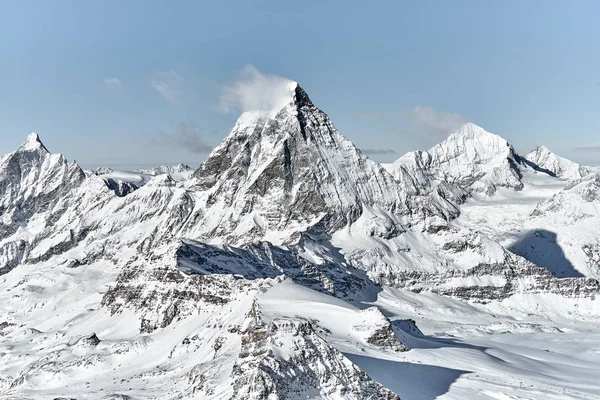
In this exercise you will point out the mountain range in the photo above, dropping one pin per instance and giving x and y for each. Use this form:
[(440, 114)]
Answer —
[(289, 265)]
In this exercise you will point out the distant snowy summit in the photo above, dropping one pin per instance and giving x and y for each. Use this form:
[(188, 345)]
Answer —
[(125, 182), (158, 170), (33, 143), (482, 161), (165, 169), (559, 166)]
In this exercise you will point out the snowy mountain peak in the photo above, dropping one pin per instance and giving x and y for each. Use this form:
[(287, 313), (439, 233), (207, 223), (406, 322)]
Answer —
[(471, 130), (292, 168), (288, 101), (471, 157), (164, 169), (476, 143), (300, 96), (540, 153), (259, 136), (556, 165), (273, 99), (33, 142), (542, 149)]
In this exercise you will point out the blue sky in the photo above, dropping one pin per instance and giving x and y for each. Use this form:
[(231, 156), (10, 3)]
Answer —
[(139, 82)]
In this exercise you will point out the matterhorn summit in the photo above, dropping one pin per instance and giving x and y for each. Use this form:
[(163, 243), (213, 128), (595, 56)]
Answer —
[(291, 169)]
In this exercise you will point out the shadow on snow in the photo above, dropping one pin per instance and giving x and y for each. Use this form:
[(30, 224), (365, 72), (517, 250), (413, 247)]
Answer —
[(408, 380), (541, 248), (328, 274)]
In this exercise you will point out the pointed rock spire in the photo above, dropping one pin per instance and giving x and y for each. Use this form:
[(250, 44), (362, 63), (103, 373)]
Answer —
[(33, 142)]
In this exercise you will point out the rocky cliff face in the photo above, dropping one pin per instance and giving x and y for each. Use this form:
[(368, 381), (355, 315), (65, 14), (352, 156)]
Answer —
[(309, 368), (41, 194)]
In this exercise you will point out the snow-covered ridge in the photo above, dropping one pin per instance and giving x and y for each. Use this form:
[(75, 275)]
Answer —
[(559, 166), (125, 182), (164, 169), (471, 157)]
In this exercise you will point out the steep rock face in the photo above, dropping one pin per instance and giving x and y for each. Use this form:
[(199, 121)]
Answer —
[(471, 158), (559, 166), (32, 178), (287, 359), (262, 260), (291, 170), (37, 190), (490, 282)]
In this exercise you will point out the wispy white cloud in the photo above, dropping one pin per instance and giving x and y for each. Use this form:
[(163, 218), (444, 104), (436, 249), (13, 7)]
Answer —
[(255, 91), (377, 152), (113, 83), (170, 85), (589, 149), (184, 135), (436, 123)]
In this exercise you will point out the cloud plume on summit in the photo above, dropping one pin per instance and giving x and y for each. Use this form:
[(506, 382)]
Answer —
[(436, 123), (256, 91)]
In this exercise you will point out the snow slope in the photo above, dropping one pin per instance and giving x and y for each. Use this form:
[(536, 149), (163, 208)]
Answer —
[(552, 223)]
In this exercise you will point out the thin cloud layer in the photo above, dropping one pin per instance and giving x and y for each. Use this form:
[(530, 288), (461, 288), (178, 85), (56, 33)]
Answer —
[(375, 152), (589, 149), (170, 85), (436, 123), (113, 83), (186, 135), (255, 91)]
